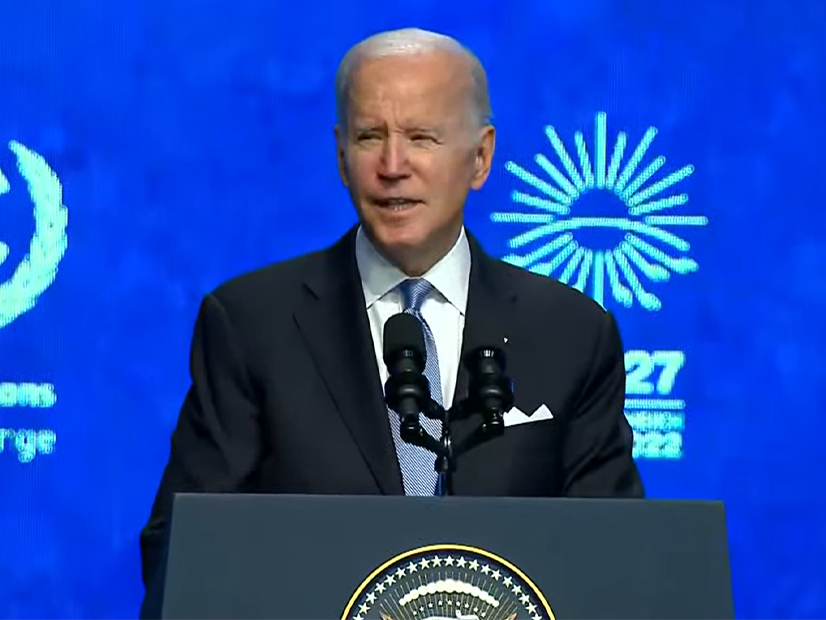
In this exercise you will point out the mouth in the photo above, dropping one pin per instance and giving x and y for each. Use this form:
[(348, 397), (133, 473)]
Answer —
[(396, 203)]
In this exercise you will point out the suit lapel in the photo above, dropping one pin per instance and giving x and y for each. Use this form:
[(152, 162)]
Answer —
[(490, 301), (333, 320), (490, 304)]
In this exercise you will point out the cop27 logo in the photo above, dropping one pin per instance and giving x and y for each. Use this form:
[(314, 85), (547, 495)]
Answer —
[(605, 226), (38, 268)]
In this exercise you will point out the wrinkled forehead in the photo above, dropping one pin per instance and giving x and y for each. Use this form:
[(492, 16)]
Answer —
[(411, 88)]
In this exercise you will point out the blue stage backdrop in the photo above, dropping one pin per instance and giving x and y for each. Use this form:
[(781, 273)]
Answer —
[(665, 158)]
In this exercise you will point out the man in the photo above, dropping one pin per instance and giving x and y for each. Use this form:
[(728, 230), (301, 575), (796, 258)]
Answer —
[(287, 370)]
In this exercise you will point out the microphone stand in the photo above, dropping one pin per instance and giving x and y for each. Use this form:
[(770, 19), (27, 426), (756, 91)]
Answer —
[(490, 394), (413, 433), (446, 451), (445, 459)]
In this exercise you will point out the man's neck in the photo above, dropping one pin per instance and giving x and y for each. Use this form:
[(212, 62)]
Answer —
[(418, 262), (450, 274)]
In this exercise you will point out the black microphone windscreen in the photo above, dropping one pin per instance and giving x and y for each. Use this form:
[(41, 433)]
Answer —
[(484, 337), (402, 332)]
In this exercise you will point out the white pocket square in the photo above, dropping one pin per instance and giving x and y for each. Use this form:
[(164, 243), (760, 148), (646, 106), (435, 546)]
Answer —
[(516, 416)]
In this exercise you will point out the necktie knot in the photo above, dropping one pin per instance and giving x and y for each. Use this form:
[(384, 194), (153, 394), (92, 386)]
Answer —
[(414, 291)]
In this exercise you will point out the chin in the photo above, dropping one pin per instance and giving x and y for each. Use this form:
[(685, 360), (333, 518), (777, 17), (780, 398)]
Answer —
[(406, 237)]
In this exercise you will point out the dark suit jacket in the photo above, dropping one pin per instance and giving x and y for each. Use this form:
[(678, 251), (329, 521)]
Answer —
[(286, 395)]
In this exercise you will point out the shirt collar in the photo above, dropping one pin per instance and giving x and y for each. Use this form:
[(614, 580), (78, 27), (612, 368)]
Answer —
[(449, 276)]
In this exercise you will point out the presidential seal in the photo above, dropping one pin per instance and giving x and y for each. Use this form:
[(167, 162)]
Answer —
[(447, 582)]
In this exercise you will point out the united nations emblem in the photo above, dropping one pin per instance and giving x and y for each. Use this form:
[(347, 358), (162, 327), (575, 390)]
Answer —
[(447, 582)]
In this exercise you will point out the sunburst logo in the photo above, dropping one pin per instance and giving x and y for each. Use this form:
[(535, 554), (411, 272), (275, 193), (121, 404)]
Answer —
[(38, 269), (603, 227)]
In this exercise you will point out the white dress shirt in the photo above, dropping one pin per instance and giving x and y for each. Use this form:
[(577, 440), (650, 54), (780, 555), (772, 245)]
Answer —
[(444, 309)]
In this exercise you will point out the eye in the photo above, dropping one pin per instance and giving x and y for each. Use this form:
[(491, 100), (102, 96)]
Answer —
[(423, 138), (367, 136)]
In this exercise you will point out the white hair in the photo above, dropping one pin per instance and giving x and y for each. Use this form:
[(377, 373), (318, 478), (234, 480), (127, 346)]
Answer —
[(411, 41)]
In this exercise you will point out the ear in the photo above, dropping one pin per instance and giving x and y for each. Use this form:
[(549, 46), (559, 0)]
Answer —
[(342, 166), (483, 157)]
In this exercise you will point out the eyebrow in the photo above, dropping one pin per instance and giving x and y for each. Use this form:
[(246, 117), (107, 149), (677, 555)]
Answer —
[(368, 126), (424, 129)]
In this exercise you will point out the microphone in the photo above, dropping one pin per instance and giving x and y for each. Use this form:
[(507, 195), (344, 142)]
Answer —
[(407, 390), (490, 390)]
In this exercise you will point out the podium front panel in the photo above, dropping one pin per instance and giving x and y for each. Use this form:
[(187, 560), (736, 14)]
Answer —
[(307, 558)]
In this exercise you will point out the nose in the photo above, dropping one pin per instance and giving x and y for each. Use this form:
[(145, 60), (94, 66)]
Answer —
[(394, 158)]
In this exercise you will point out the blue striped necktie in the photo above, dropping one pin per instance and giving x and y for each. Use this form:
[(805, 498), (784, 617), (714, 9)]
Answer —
[(417, 464)]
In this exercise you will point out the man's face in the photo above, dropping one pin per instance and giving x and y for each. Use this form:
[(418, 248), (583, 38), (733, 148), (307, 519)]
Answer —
[(410, 152)]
